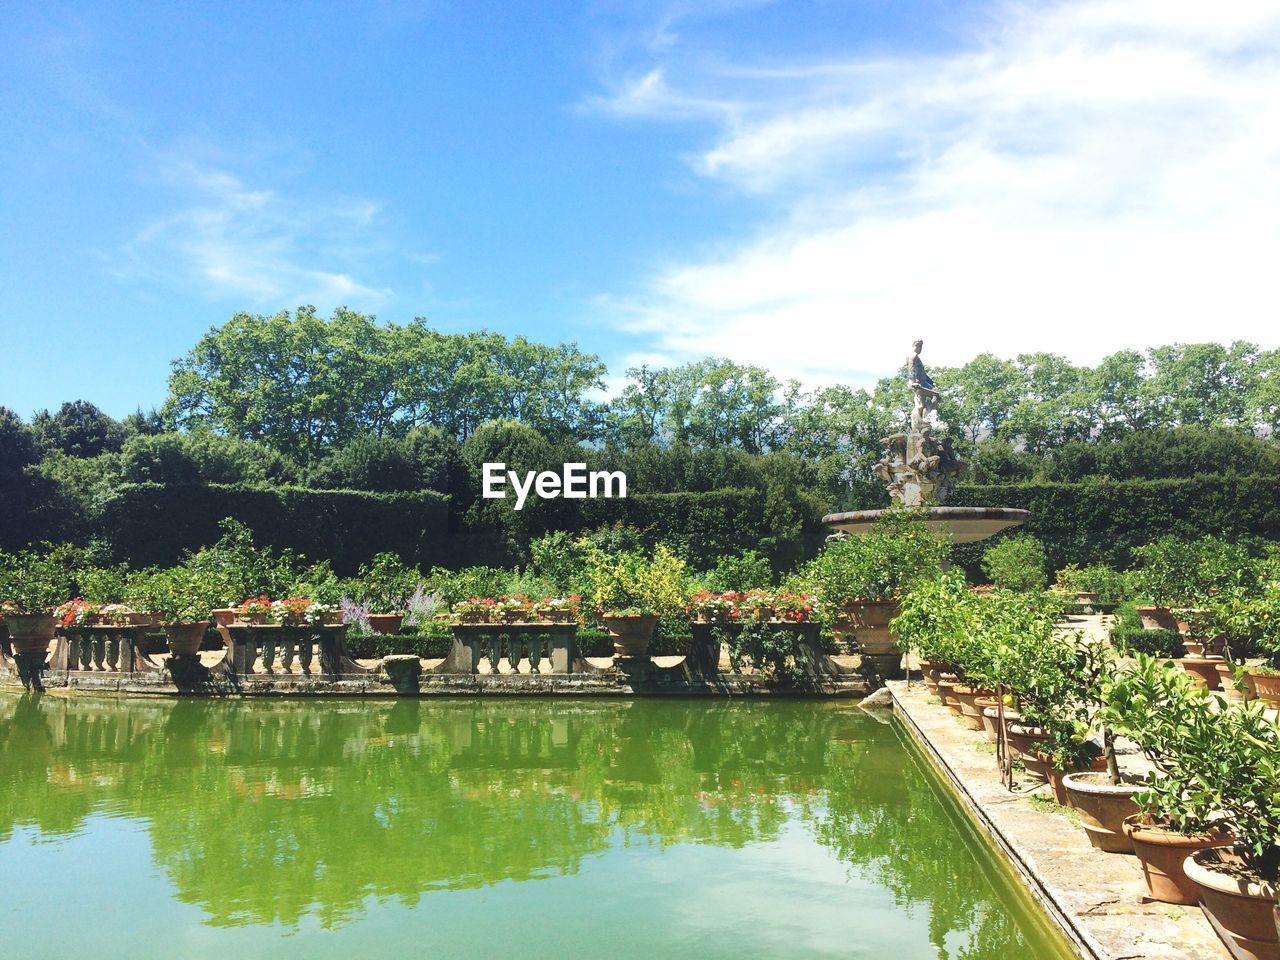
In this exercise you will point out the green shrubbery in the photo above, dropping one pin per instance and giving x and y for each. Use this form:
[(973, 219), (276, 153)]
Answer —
[(1017, 562)]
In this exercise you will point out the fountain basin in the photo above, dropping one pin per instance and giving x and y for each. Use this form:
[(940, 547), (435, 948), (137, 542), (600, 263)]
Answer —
[(964, 524)]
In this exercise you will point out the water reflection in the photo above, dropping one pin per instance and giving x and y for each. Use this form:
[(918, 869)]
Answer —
[(263, 812)]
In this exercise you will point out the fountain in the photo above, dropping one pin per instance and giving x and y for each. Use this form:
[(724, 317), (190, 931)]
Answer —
[(919, 469)]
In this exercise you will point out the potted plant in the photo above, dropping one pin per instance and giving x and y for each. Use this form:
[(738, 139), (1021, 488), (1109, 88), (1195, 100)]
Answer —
[(708, 607), (631, 590), (862, 579), (1167, 713), (303, 612), (386, 584), (181, 599), (474, 610), (32, 586), (255, 611), (1238, 764)]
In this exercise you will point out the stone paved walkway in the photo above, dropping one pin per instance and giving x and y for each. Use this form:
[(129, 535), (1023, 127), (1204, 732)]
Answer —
[(1098, 895)]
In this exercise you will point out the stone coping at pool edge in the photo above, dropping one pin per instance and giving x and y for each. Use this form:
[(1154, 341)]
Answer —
[(1095, 897)]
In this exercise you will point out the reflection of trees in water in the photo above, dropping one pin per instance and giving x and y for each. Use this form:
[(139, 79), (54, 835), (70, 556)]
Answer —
[(883, 816), (266, 812)]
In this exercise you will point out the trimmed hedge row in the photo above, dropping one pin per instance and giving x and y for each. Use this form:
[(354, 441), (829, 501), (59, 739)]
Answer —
[(1099, 520), (147, 523)]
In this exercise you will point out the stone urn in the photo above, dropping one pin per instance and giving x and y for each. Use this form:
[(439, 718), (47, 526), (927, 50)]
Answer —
[(30, 633), (631, 634), (1242, 909), (184, 639), (1103, 808), (386, 622), (869, 622), (1162, 853)]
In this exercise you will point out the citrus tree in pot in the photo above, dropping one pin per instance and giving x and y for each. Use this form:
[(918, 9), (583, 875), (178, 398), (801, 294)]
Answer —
[(1236, 762), (863, 579), (1168, 715), (631, 590), (183, 599), (384, 586), (32, 585), (1104, 798)]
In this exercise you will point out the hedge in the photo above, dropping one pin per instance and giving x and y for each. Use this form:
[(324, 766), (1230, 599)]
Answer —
[(1099, 520), (147, 523)]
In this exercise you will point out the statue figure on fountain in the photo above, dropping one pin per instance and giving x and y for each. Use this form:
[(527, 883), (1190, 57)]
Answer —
[(918, 468)]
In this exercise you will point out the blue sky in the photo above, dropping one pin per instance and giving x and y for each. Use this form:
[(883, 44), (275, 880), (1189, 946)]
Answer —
[(804, 185)]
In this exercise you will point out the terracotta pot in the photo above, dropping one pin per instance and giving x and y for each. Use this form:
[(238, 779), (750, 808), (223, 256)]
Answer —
[(989, 713), (224, 616), (1161, 853), (631, 635), (1192, 648), (1157, 618), (31, 632), (1024, 740), (943, 689), (335, 619), (1059, 789), (1203, 670), (386, 622), (931, 670), (1242, 910), (1103, 807), (1226, 683), (1086, 596), (1266, 686), (970, 712), (184, 638)]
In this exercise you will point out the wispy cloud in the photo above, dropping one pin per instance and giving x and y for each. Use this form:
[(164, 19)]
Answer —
[(1081, 177), (253, 245)]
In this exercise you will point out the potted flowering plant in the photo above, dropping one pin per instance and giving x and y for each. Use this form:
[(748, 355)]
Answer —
[(515, 608), (708, 607), (474, 610), (386, 584), (76, 613), (181, 600), (790, 607), (302, 612), (558, 609), (255, 610), (1220, 770), (631, 590), (758, 604)]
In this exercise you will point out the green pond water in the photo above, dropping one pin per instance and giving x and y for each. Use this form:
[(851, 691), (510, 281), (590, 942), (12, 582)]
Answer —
[(487, 828)]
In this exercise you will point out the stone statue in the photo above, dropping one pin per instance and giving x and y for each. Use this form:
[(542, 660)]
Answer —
[(918, 468)]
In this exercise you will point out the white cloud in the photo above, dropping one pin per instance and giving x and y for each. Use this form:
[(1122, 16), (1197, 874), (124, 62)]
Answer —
[(1086, 177), (254, 246)]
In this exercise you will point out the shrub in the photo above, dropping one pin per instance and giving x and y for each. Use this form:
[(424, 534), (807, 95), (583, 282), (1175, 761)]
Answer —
[(743, 571), (634, 583), (884, 563), (1017, 563), (35, 581)]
